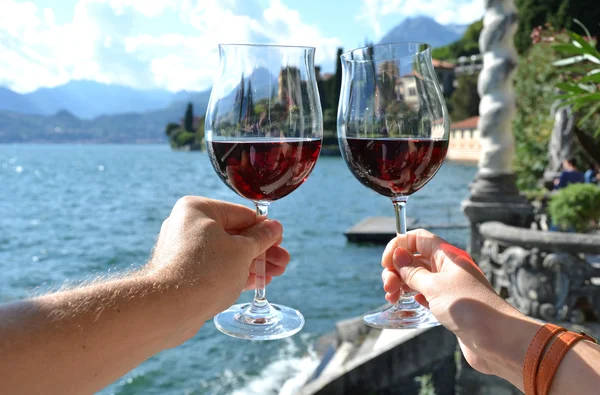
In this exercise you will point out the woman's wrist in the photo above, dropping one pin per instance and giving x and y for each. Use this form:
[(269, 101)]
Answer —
[(505, 346)]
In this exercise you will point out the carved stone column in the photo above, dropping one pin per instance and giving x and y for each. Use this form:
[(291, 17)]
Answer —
[(494, 195)]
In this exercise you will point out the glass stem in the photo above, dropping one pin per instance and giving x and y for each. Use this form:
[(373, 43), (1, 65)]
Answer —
[(406, 298), (260, 305)]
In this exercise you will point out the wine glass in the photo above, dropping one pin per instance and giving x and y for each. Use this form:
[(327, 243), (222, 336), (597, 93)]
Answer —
[(264, 129), (393, 130)]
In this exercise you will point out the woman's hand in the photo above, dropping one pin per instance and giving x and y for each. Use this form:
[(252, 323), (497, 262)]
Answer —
[(453, 287)]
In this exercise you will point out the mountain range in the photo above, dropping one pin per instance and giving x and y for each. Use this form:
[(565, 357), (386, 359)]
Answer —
[(93, 112), (424, 29)]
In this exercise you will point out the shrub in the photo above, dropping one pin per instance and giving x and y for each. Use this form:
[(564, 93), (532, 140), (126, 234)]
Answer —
[(576, 206), (185, 138)]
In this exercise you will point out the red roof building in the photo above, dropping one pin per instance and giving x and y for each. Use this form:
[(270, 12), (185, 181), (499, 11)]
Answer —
[(464, 140)]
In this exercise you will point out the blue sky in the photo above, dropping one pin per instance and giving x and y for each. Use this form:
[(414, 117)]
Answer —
[(171, 44)]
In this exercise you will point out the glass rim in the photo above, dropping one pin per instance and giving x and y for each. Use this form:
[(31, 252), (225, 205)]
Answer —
[(265, 46), (426, 47)]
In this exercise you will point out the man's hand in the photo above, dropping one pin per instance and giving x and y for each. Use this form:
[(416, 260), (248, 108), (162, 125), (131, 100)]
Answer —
[(209, 245)]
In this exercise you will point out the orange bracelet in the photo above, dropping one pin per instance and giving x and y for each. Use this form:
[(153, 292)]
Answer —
[(553, 358), (534, 355), (540, 366)]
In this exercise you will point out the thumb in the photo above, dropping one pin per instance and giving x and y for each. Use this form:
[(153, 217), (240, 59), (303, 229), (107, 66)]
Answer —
[(262, 236), (412, 271)]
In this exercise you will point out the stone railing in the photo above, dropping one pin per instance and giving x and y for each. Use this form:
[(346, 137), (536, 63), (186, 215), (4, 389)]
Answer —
[(553, 276), (469, 65)]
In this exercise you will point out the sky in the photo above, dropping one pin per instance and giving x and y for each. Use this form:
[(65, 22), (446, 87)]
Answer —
[(172, 44)]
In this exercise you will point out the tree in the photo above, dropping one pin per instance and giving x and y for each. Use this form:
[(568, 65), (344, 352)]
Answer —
[(532, 125), (468, 44), (558, 13), (465, 99), (188, 121), (535, 90), (171, 128), (335, 83), (581, 89), (249, 100), (200, 133)]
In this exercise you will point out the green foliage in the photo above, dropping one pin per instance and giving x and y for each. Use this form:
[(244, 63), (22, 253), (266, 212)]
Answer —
[(171, 128), (558, 13), (426, 384), (184, 135), (468, 45), (442, 53), (538, 194), (465, 99), (334, 85), (533, 122), (576, 207), (330, 119), (582, 87), (188, 121), (199, 141), (184, 138)]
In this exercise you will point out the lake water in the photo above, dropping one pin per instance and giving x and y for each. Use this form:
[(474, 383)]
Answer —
[(75, 211)]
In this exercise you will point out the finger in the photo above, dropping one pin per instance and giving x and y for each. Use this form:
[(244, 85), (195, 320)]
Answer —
[(386, 259), (392, 297), (412, 271), (260, 237), (251, 281), (420, 298), (277, 255), (229, 215), (391, 281), (274, 271), (423, 241), (406, 289), (270, 269)]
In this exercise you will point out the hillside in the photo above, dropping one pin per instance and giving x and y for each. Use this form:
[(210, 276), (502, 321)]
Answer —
[(88, 99), (424, 29), (64, 127)]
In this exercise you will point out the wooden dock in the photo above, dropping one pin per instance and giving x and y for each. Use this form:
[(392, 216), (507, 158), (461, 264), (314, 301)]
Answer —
[(380, 230)]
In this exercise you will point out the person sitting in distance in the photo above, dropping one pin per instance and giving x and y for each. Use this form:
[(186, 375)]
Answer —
[(569, 175)]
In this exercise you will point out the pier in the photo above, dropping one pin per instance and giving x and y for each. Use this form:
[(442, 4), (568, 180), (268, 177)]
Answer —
[(380, 230)]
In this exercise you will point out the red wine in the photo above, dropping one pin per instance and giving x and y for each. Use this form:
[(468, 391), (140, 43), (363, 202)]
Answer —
[(264, 170), (394, 167)]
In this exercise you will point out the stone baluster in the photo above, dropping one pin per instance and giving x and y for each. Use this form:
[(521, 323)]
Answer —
[(494, 195)]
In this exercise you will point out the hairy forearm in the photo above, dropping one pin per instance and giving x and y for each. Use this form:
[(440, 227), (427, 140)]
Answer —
[(82, 340), (579, 369)]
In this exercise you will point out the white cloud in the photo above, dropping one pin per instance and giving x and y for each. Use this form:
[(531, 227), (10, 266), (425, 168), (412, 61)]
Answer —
[(443, 11), (101, 42)]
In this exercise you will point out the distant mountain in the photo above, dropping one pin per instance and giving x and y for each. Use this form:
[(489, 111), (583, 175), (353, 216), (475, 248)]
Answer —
[(457, 28), (424, 29), (88, 99), (65, 127), (13, 101)]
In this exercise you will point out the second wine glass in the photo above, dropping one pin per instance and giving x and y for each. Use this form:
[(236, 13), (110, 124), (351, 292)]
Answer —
[(263, 132), (393, 133)]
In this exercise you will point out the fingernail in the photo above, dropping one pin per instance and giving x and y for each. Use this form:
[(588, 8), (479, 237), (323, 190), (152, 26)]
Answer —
[(401, 257)]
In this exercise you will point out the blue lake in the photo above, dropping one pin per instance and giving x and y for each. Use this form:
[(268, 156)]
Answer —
[(73, 212)]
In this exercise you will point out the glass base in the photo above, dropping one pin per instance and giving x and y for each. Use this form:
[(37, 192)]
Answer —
[(277, 322), (407, 316)]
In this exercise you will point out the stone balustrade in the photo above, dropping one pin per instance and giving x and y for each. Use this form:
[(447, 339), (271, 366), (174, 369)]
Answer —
[(553, 276)]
